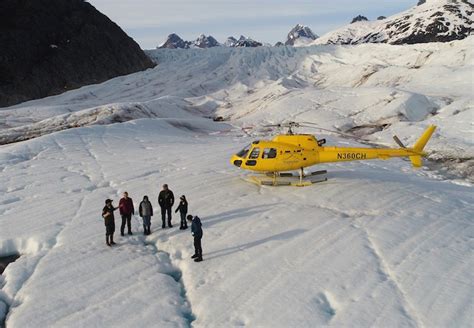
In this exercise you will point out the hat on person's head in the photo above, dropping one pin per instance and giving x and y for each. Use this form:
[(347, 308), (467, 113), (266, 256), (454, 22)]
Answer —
[(189, 217), (182, 197), (107, 201)]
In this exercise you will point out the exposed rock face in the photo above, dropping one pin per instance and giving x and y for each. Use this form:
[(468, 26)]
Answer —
[(173, 41), (300, 32), (51, 46), (359, 18), (279, 44), (381, 17), (431, 21)]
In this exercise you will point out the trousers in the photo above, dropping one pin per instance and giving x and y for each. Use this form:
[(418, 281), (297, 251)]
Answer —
[(197, 246), (126, 218), (164, 211)]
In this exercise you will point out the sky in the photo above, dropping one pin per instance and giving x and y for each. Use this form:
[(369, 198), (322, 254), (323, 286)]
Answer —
[(149, 22)]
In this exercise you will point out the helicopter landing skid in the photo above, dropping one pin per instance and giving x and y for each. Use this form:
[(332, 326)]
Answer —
[(289, 179)]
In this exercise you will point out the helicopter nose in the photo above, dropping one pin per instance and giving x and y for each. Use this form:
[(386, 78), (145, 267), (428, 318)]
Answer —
[(236, 160)]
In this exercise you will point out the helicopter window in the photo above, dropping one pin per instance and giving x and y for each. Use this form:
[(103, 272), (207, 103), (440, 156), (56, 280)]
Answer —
[(269, 153), (251, 162), (243, 153), (255, 152)]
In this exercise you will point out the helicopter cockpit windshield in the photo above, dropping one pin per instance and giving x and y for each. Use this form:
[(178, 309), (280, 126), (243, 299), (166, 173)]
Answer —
[(243, 153)]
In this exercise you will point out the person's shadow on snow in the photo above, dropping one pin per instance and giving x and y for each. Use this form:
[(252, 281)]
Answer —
[(210, 220), (240, 213), (234, 249)]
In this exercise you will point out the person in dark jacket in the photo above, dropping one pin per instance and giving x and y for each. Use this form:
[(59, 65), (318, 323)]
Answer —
[(146, 212), (183, 210), (196, 230), (126, 211), (166, 201), (109, 220)]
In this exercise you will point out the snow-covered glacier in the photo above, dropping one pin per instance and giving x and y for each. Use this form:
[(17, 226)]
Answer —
[(378, 244)]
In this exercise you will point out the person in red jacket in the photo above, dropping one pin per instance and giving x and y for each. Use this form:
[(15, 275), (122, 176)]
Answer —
[(126, 211)]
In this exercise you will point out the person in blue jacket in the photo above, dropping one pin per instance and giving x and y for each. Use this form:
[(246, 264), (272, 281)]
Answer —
[(196, 230)]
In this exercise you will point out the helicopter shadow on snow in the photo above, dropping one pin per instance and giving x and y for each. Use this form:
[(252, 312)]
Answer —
[(242, 247), (367, 176), (388, 176)]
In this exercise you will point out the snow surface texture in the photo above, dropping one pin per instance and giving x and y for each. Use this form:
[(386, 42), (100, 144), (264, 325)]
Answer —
[(371, 90), (433, 20), (379, 244)]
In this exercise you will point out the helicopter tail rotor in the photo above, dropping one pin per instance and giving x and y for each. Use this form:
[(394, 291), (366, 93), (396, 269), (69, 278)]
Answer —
[(399, 142)]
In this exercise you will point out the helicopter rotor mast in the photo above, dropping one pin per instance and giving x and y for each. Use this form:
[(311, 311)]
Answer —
[(289, 125)]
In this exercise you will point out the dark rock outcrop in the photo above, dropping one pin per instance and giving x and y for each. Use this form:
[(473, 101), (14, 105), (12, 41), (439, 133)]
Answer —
[(359, 18), (381, 17), (51, 46)]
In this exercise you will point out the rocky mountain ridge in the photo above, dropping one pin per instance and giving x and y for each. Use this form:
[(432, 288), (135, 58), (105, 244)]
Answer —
[(173, 41)]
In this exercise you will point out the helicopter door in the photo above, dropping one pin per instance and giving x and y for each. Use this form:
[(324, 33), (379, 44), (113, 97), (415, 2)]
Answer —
[(252, 161)]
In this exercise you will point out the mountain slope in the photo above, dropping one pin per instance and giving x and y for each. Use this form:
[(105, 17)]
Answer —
[(432, 21), (51, 46)]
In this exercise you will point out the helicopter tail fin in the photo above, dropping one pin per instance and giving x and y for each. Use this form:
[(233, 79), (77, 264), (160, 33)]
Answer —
[(420, 143)]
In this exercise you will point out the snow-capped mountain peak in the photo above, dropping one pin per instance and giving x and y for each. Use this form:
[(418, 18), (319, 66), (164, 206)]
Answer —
[(174, 41), (242, 42), (301, 33), (230, 42), (204, 41)]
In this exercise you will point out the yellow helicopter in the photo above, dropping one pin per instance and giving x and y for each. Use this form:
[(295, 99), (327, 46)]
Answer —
[(289, 152)]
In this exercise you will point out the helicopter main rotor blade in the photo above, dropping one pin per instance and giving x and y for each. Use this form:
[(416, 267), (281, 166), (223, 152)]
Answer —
[(328, 130)]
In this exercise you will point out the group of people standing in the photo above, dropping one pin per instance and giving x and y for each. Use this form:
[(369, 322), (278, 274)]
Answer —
[(145, 210)]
